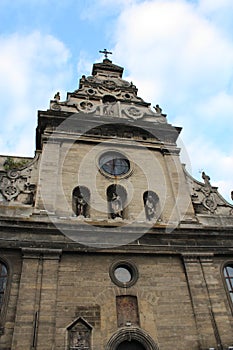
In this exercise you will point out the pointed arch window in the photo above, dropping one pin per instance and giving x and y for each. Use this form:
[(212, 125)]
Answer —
[(3, 284), (228, 275), (116, 197), (81, 201), (151, 205)]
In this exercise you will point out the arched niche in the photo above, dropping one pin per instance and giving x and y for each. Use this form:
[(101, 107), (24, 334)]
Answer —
[(151, 205), (109, 102), (81, 201), (116, 198), (131, 336)]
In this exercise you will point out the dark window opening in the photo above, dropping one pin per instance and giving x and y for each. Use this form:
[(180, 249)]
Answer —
[(228, 274), (3, 283), (130, 345)]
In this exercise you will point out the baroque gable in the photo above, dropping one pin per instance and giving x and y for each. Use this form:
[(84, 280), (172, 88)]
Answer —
[(206, 199), (106, 94)]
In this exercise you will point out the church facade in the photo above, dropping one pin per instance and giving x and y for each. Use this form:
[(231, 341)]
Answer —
[(106, 241)]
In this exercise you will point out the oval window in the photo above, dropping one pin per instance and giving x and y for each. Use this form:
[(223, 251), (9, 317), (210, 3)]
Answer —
[(114, 163), (124, 273)]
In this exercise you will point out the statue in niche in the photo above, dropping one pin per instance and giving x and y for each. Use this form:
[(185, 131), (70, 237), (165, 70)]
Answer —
[(81, 206), (150, 207), (30, 190), (116, 208), (108, 108)]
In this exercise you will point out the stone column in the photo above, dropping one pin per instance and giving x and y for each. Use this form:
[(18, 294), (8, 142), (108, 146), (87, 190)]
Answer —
[(48, 300), (182, 209), (221, 316), (48, 177), (28, 298), (204, 318), (36, 307)]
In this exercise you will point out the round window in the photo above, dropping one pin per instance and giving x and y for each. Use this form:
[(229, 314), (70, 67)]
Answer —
[(114, 163), (123, 273)]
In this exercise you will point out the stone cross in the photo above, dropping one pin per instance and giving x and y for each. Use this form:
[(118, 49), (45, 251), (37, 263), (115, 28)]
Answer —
[(106, 53)]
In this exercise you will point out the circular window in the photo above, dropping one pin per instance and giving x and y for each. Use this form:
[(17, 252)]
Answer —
[(114, 163), (124, 273)]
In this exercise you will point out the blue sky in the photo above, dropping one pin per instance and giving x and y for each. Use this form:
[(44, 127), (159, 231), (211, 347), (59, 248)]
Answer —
[(178, 53)]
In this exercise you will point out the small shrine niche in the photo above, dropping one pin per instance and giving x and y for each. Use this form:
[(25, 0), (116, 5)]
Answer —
[(79, 335)]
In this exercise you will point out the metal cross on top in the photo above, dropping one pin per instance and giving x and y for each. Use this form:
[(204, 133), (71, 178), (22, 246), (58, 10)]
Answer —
[(106, 53)]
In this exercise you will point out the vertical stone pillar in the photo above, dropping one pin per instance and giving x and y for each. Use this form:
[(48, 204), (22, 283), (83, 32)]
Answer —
[(182, 207), (202, 311), (48, 177), (36, 307), (28, 298), (221, 316), (48, 300)]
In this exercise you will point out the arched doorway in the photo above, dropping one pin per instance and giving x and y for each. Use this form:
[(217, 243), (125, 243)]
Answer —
[(131, 338), (130, 345)]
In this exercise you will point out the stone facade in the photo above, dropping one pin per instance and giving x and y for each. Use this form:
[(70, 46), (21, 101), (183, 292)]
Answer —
[(106, 241)]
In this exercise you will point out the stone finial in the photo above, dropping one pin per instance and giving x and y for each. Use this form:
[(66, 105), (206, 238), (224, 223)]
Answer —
[(57, 96), (106, 53), (206, 179), (158, 109)]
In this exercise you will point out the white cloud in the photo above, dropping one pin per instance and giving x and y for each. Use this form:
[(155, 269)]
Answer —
[(205, 156), (181, 57), (32, 68)]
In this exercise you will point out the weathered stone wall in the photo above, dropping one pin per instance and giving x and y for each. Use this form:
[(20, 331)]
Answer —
[(65, 166), (179, 302)]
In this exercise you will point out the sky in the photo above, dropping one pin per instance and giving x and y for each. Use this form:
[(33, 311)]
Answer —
[(179, 54)]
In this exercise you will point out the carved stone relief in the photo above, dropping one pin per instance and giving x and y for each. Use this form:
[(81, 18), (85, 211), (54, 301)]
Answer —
[(206, 199), (79, 335), (133, 112), (86, 106), (15, 185)]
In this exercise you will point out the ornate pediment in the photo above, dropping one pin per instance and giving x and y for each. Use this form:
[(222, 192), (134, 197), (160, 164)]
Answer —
[(17, 185), (206, 198), (105, 93)]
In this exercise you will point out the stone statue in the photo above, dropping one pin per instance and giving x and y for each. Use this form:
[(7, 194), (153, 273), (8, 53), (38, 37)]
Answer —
[(108, 108), (116, 206), (150, 207), (57, 96), (81, 206), (158, 110), (207, 188)]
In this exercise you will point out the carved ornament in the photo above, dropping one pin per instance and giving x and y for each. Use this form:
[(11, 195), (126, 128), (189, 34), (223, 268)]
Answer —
[(15, 183), (133, 112), (86, 106)]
